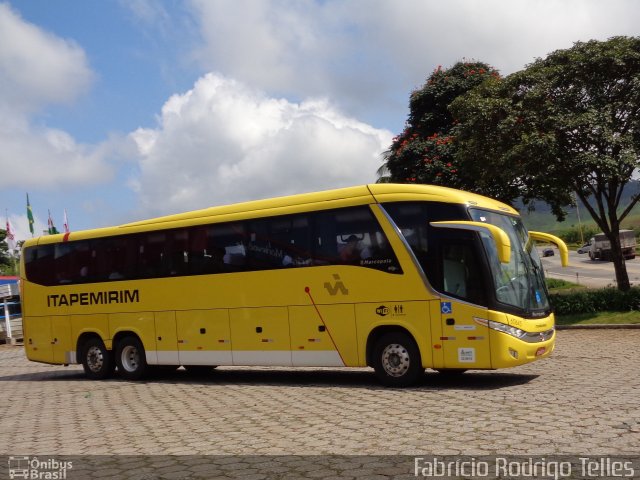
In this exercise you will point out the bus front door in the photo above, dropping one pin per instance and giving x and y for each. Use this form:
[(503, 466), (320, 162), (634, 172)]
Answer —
[(465, 342)]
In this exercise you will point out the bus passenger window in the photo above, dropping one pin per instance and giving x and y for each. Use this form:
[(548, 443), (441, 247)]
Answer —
[(352, 236), (197, 251), (291, 234), (225, 244), (113, 258), (39, 264), (154, 261), (178, 252)]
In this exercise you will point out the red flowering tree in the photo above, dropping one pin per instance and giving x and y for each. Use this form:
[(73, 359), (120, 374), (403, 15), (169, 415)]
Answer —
[(424, 152)]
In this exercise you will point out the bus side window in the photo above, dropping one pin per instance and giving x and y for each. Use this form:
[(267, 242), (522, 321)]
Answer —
[(154, 261), (113, 258), (63, 259), (177, 250), (225, 244), (261, 254), (352, 236), (290, 235), (199, 261), (325, 247), (39, 264), (77, 262)]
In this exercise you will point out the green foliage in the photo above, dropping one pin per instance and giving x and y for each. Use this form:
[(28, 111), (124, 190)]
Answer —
[(558, 284), (591, 301), (572, 235), (600, 318), (568, 123), (6, 263), (425, 151)]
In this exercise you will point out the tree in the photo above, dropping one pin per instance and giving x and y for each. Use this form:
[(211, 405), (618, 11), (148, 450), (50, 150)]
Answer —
[(424, 151), (6, 263), (567, 123)]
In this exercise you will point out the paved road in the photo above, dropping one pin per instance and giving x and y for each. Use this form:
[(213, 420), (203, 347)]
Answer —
[(582, 401), (590, 273)]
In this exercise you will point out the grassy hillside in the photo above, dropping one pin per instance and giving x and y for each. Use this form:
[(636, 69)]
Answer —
[(543, 220)]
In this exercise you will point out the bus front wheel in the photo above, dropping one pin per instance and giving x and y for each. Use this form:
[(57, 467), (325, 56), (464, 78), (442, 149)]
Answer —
[(130, 358), (396, 360), (97, 361)]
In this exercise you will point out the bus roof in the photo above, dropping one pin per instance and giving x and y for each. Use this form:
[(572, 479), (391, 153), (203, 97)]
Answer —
[(343, 197)]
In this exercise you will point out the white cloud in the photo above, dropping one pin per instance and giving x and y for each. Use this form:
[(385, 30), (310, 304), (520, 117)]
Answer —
[(369, 54), (38, 69), (222, 142), (506, 33), (47, 157)]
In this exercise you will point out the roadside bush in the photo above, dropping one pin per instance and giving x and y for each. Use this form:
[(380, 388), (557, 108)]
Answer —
[(573, 235), (556, 283), (591, 301)]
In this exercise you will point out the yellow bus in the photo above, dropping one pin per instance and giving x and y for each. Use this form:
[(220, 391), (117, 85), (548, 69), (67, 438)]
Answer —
[(400, 278)]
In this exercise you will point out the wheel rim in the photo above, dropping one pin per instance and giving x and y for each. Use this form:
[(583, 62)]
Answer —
[(395, 360), (130, 358), (95, 359)]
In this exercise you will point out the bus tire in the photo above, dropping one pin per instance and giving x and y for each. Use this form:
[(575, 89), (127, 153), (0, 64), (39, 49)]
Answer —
[(396, 360), (131, 358), (96, 360)]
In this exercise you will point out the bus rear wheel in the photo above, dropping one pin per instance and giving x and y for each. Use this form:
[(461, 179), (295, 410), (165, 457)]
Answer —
[(396, 360), (97, 361), (130, 358)]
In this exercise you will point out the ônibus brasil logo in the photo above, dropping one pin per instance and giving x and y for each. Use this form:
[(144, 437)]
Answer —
[(36, 468)]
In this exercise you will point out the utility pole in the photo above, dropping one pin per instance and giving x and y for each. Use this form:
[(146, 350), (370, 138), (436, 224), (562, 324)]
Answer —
[(579, 222)]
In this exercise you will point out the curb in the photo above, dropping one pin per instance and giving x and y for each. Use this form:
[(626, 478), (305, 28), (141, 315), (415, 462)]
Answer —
[(595, 326)]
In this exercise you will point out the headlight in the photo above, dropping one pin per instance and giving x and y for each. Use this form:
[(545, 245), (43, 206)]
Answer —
[(501, 327)]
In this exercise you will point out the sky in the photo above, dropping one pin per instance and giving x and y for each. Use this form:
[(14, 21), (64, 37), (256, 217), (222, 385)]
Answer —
[(122, 110)]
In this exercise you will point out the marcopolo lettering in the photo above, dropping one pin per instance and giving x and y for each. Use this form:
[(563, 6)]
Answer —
[(93, 298)]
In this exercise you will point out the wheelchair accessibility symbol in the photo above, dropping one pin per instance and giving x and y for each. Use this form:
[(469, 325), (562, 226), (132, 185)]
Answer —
[(445, 307)]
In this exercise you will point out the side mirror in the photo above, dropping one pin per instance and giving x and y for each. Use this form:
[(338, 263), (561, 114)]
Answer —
[(562, 247), (500, 238)]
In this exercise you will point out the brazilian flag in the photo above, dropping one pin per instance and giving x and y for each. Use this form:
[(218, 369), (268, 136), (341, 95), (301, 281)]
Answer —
[(29, 215)]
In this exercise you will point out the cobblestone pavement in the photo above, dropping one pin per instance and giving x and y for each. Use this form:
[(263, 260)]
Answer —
[(583, 400)]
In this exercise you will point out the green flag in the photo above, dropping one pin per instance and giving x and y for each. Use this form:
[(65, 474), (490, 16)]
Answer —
[(29, 215)]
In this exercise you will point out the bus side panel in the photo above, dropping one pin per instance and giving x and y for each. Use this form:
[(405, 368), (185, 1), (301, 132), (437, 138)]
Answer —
[(260, 336), (465, 343), (63, 349), (38, 339), (340, 322), (311, 344), (95, 323), (412, 316), (166, 339), (204, 337), (140, 323)]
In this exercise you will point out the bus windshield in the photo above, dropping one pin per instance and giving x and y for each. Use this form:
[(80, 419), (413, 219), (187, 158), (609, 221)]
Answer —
[(519, 283)]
